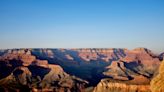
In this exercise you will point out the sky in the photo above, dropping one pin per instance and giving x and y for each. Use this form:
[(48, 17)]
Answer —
[(82, 24)]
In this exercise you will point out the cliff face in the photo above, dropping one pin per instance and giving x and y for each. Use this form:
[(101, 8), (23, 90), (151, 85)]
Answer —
[(84, 55), (114, 86), (157, 84), (136, 63)]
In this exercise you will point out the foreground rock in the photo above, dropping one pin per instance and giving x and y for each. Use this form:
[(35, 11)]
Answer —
[(108, 85), (157, 84)]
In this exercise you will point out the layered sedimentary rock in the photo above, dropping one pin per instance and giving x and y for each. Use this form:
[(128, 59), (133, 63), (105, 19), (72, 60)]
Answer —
[(120, 86), (136, 62), (23, 57), (157, 84), (25, 72), (101, 54)]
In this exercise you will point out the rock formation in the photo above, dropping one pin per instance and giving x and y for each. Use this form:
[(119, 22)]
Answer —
[(107, 85), (28, 73), (157, 84), (136, 62), (74, 70)]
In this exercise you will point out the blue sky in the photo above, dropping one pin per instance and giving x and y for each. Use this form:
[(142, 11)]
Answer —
[(82, 24)]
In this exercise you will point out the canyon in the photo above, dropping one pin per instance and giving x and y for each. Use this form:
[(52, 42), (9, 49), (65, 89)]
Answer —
[(78, 70)]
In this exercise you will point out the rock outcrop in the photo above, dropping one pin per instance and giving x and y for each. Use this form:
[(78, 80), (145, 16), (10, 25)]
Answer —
[(157, 84), (107, 85)]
